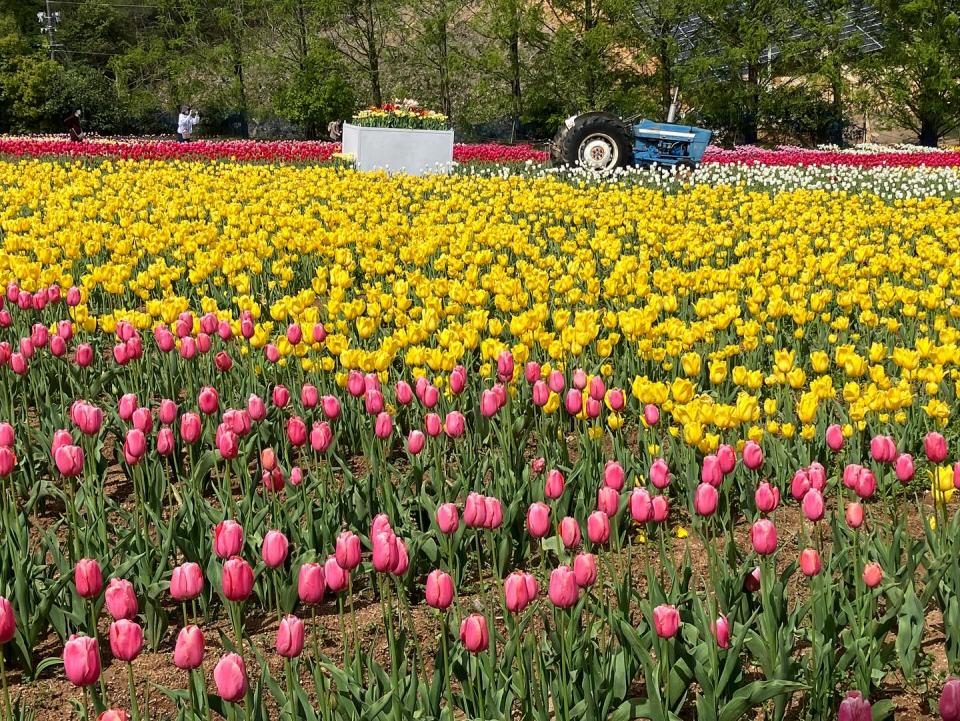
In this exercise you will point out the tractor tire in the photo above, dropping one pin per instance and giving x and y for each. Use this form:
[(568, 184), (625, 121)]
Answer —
[(600, 142)]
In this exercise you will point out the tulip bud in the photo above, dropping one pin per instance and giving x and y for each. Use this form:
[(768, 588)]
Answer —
[(727, 458), (613, 475), (767, 498), (705, 499), (813, 505), (666, 620), (311, 583), (348, 550), (230, 677), (290, 637), (810, 562), (237, 582), (439, 591), (904, 468), (563, 589), (274, 549), (186, 583), (640, 505), (515, 592), (854, 515), (752, 455), (598, 527), (585, 569), (121, 599), (81, 660), (336, 578), (721, 631), (88, 578), (651, 414), (538, 520), (474, 634), (8, 621), (608, 501), (935, 446), (126, 640), (554, 484), (659, 474), (569, 532), (763, 535)]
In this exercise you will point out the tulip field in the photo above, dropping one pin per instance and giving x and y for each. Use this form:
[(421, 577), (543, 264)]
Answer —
[(284, 441)]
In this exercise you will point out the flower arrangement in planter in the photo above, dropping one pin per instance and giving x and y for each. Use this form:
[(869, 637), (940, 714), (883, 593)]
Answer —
[(405, 114), (399, 137)]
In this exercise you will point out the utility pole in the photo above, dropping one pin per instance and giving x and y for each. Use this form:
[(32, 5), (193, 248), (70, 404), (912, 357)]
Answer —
[(48, 26)]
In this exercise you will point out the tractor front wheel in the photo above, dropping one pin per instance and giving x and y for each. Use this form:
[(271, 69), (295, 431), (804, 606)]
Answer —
[(599, 142)]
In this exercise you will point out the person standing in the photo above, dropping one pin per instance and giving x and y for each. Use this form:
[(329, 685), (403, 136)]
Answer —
[(184, 125), (72, 121)]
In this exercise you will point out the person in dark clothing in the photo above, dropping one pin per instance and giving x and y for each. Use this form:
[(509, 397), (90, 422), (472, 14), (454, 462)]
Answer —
[(72, 121)]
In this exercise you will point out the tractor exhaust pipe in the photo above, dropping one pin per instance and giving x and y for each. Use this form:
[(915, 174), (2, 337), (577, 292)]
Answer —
[(672, 113)]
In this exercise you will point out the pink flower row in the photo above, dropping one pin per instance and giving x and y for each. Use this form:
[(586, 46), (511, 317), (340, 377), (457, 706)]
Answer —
[(801, 156)]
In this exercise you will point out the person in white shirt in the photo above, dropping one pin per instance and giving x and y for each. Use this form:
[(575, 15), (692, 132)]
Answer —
[(187, 119)]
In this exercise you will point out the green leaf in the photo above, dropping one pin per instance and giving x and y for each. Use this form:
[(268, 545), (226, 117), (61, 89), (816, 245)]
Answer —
[(754, 694)]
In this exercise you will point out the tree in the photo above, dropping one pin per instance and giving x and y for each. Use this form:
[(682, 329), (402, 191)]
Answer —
[(318, 93), (360, 28), (917, 76)]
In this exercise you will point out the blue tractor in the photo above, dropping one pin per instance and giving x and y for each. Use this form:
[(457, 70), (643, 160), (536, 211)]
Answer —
[(602, 142)]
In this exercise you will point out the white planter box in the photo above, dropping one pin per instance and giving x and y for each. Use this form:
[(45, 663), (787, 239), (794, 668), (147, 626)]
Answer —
[(396, 150)]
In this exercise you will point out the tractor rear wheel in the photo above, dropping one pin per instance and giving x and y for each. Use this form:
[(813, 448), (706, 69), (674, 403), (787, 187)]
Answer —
[(600, 142)]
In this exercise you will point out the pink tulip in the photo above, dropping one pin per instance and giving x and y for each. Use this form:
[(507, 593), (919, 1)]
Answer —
[(585, 569), (294, 334), (752, 455), (383, 426), (186, 583), (296, 431), (8, 461), (660, 506), (854, 515), (69, 460), (237, 582), (800, 484), (489, 404), (386, 555), (88, 578), (321, 436), (904, 468), (617, 400), (608, 501), (767, 497), (554, 484), (855, 708), (256, 408), (474, 634), (280, 396), (810, 562), (613, 475), (598, 527), (190, 427), (835, 439), (348, 550), (311, 583), (188, 652), (516, 592), (166, 341), (556, 381), (563, 589), (711, 472), (81, 660), (569, 531), (640, 505), (454, 424), (319, 333), (935, 446), (540, 393), (432, 425), (403, 560), (817, 475), (274, 549), (458, 380), (373, 401), (228, 444), (188, 348), (705, 499), (121, 599), (660, 474), (763, 535), (227, 538), (404, 393), (813, 505), (727, 458), (666, 620), (135, 443), (167, 412), (18, 364), (531, 371), (87, 417), (337, 579), (651, 414), (866, 484), (7, 435), (126, 640), (230, 677), (355, 384), (573, 402), (474, 511), (538, 520), (493, 517), (58, 347), (73, 296), (290, 637), (721, 631), (505, 367), (596, 388), (872, 574), (950, 700), (431, 395), (439, 591), (208, 400), (8, 622), (415, 442)]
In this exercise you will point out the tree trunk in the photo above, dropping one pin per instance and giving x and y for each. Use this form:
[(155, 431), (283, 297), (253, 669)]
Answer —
[(929, 135), (666, 78), (373, 55), (303, 48), (516, 96), (590, 64), (749, 113), (443, 27), (836, 104)]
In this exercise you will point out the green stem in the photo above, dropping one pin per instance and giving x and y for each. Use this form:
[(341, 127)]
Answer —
[(134, 707), (7, 707)]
